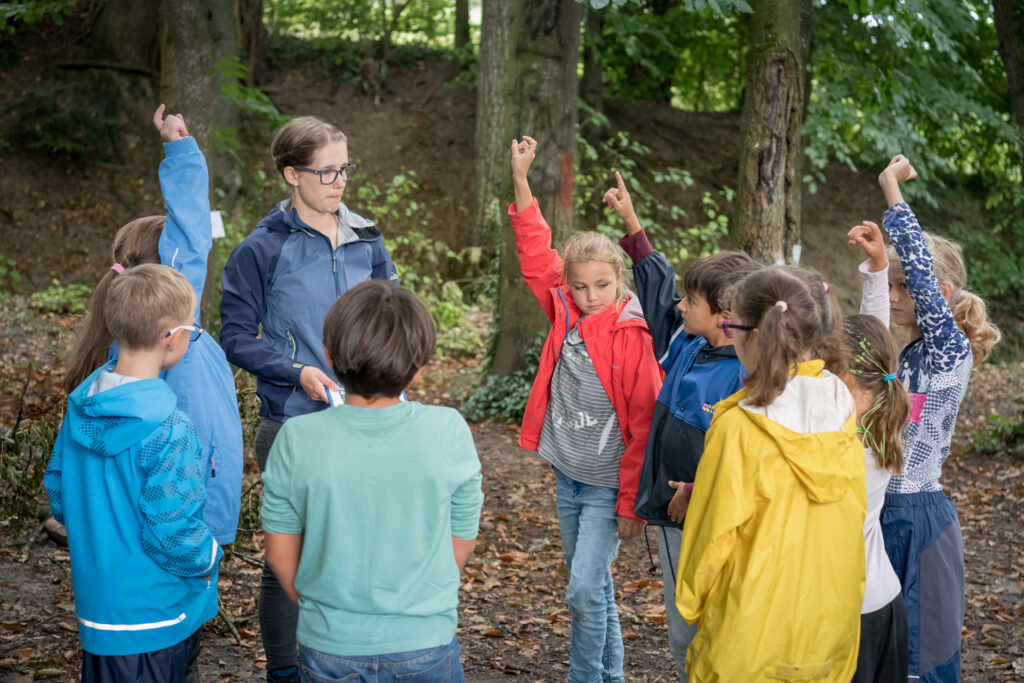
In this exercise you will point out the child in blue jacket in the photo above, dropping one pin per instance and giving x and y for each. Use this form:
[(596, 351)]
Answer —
[(694, 347), (202, 382), (126, 478)]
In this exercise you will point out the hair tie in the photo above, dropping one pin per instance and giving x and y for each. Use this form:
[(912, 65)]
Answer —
[(825, 285), (783, 305), (960, 291), (117, 268), (890, 377)]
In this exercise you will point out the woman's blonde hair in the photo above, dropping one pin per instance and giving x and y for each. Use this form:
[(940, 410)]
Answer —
[(136, 243), (969, 310), (593, 246)]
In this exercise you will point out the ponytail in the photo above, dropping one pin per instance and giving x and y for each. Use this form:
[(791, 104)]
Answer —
[(873, 355), (971, 315), (136, 243)]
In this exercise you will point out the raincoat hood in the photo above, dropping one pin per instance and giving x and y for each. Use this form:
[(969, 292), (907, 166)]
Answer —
[(110, 422)]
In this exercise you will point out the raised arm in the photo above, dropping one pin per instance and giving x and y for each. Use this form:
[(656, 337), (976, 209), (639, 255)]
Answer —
[(540, 263), (187, 235), (874, 299), (654, 276), (945, 342)]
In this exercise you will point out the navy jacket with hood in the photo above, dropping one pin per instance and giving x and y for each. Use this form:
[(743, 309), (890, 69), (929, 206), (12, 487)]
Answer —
[(126, 478), (697, 376), (279, 284)]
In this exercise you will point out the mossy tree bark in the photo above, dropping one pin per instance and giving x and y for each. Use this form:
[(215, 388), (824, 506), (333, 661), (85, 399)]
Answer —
[(767, 217), (541, 92)]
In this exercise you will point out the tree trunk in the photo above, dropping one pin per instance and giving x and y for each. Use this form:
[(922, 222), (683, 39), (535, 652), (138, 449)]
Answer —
[(194, 35), (590, 88), (541, 95), (252, 38), (1009, 16), (489, 162), (767, 219), (461, 23)]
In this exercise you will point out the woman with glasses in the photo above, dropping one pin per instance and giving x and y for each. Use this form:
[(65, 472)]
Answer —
[(279, 284), (202, 380)]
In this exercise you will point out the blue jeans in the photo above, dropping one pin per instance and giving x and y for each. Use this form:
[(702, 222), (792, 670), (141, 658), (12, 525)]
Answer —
[(435, 664), (590, 539)]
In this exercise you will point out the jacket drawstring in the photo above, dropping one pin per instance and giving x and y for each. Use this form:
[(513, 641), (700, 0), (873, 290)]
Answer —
[(653, 569)]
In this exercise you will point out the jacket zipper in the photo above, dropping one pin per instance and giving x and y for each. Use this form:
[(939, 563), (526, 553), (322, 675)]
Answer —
[(291, 340)]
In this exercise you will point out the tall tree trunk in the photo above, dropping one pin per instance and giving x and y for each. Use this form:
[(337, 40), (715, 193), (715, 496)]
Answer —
[(252, 38), (541, 96), (1009, 15), (489, 162), (768, 199), (194, 35), (590, 88), (461, 23)]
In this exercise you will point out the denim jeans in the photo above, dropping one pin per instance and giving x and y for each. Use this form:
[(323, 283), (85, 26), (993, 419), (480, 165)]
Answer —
[(279, 617), (590, 540), (680, 633), (436, 664)]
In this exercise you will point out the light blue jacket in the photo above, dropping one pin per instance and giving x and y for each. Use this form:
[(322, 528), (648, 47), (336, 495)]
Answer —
[(202, 380), (126, 479)]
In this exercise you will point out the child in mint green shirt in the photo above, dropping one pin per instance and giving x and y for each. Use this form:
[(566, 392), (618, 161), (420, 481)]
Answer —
[(371, 508)]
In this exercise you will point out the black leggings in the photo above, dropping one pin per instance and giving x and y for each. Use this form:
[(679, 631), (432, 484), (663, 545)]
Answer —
[(279, 617), (883, 654)]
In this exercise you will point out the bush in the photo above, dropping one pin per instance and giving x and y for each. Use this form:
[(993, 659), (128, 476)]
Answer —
[(1005, 434), (24, 454), (58, 298), (504, 398)]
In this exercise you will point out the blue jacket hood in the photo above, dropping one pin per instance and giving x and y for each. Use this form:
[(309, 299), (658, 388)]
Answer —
[(110, 422), (284, 218)]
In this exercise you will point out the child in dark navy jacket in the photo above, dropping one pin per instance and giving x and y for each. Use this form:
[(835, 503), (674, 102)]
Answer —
[(694, 347)]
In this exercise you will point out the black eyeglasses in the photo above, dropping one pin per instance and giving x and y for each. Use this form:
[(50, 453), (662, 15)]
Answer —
[(329, 175), (194, 332), (727, 328)]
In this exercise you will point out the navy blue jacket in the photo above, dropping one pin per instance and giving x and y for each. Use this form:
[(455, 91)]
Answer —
[(279, 284), (697, 376)]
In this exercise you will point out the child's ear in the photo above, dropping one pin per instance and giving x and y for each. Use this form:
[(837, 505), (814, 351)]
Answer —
[(724, 315), (946, 288)]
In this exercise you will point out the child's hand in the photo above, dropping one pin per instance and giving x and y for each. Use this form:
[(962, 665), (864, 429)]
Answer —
[(313, 381), (629, 528), (899, 170), (680, 501), (172, 128), (617, 199), (869, 237), (522, 156)]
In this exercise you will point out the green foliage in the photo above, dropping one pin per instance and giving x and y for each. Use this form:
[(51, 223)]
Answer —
[(332, 22), (665, 224), (29, 12), (247, 99), (1005, 434), (58, 298), (64, 118), (504, 398), (9, 277), (24, 454)]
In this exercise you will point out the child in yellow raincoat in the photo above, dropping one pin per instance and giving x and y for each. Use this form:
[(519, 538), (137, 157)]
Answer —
[(773, 553)]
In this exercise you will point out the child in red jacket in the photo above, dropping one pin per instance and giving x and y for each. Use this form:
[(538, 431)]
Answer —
[(588, 413)]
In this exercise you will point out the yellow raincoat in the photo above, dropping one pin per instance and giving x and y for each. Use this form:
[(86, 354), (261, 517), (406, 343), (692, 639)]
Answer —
[(773, 549)]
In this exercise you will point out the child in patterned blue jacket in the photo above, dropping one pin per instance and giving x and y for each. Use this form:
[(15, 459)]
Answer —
[(126, 477), (950, 334)]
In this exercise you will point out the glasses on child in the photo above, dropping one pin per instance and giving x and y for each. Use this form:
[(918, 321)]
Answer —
[(195, 332), (728, 327), (329, 175)]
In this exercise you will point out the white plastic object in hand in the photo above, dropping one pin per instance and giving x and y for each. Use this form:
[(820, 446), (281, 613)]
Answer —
[(335, 397)]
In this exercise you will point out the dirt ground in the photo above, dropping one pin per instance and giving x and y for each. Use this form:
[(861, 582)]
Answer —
[(513, 621)]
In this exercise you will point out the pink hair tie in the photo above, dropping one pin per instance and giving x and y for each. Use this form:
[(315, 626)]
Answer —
[(825, 285), (117, 268)]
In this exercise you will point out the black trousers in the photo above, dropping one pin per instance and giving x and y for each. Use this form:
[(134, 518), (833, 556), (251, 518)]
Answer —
[(883, 653), (175, 664)]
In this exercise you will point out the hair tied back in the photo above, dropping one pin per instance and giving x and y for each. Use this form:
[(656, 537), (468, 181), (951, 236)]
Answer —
[(783, 305), (890, 377), (117, 268)]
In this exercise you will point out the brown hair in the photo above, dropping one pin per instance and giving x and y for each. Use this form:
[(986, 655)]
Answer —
[(794, 317), (134, 244), (146, 301), (873, 354), (299, 139), (969, 310), (377, 337), (712, 277), (593, 246)]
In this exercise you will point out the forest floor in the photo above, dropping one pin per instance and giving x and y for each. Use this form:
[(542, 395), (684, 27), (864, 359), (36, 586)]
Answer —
[(513, 621)]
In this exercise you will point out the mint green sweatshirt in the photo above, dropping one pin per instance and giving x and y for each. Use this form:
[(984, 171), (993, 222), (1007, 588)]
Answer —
[(377, 495)]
